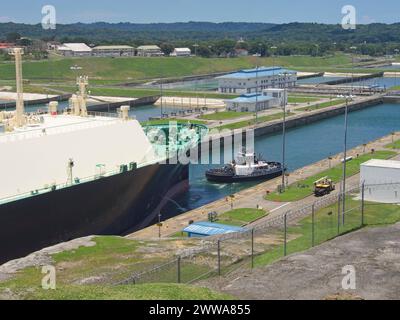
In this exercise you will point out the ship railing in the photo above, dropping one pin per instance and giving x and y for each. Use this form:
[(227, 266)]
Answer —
[(77, 181)]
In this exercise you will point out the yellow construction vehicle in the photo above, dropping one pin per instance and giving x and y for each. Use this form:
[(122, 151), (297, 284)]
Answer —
[(323, 187)]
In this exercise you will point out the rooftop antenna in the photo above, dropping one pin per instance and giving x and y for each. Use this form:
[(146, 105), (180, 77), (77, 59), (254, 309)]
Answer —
[(19, 112)]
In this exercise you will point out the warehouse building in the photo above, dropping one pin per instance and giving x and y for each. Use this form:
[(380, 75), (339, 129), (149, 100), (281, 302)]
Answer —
[(250, 102), (113, 51), (382, 180), (181, 52), (252, 80), (149, 51), (74, 50)]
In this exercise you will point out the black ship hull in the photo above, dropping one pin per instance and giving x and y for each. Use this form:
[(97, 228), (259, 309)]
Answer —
[(114, 205)]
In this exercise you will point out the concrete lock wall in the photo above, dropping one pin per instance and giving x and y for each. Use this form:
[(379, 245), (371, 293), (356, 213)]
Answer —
[(382, 184)]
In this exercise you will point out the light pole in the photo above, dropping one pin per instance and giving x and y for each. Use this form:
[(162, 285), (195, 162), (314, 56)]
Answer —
[(256, 109), (395, 70), (343, 191), (352, 67), (284, 143), (195, 49), (273, 48)]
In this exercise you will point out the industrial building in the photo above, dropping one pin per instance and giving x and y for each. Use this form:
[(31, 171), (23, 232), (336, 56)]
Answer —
[(382, 180), (251, 80), (74, 50), (149, 51), (113, 51), (250, 102), (181, 52)]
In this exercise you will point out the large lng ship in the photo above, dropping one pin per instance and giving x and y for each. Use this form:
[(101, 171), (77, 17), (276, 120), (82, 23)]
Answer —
[(70, 174)]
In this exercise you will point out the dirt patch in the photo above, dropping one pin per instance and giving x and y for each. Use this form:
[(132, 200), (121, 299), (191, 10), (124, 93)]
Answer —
[(318, 273)]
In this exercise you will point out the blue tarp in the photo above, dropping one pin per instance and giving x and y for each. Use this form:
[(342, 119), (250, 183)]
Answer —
[(204, 229)]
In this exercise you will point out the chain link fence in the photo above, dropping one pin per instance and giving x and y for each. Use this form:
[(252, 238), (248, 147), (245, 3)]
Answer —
[(276, 237)]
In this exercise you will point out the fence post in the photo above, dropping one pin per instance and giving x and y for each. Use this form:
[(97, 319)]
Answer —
[(362, 203), (252, 248), (313, 225), (179, 269), (338, 215), (285, 235), (219, 257)]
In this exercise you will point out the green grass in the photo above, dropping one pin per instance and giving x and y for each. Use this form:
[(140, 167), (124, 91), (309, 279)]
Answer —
[(326, 227), (111, 259), (322, 105), (299, 99), (394, 145), (167, 121), (304, 188), (108, 70), (241, 217), (224, 115), (152, 291), (245, 123)]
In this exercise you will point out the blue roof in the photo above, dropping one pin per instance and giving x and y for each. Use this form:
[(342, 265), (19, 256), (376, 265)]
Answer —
[(251, 97), (260, 72), (210, 228)]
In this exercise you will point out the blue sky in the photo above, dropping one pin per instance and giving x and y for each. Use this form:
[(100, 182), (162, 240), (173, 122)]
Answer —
[(145, 11)]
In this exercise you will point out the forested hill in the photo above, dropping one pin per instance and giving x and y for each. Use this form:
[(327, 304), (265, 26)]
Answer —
[(206, 31)]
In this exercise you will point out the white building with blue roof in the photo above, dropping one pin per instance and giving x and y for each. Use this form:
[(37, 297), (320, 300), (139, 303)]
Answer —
[(255, 80), (250, 102)]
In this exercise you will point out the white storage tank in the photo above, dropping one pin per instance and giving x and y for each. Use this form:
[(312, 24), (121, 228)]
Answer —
[(382, 180)]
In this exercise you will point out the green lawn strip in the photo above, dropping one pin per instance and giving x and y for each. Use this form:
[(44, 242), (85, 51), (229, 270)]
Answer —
[(322, 105), (167, 121), (299, 99), (304, 188), (241, 217), (326, 227), (245, 123), (224, 115), (139, 93), (394, 145), (140, 68)]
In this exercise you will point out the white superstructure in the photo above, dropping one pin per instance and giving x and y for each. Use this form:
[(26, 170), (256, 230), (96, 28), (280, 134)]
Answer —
[(36, 156)]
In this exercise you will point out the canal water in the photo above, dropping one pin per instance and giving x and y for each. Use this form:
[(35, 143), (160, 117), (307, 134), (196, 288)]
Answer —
[(305, 145)]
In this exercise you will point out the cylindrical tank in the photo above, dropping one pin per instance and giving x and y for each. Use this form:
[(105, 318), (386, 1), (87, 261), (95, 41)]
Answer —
[(125, 112), (53, 108)]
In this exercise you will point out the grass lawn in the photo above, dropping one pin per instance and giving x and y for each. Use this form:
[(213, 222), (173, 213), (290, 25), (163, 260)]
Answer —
[(245, 123), (110, 260), (323, 105), (109, 70), (394, 145), (326, 227), (224, 115), (241, 217), (300, 99), (304, 188)]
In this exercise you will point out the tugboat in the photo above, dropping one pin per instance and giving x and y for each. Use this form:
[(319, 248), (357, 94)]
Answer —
[(247, 168)]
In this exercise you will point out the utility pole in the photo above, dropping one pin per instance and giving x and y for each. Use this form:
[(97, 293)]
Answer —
[(19, 111)]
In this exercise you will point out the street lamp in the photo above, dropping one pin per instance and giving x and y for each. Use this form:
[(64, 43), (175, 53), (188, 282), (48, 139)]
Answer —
[(343, 191), (284, 142), (273, 48), (352, 67)]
